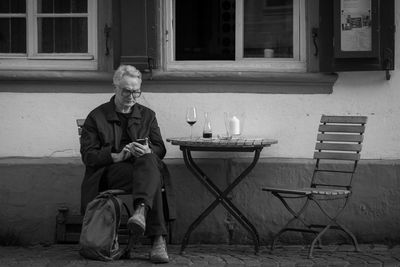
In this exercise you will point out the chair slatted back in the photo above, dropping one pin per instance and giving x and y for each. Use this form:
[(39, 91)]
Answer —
[(339, 139)]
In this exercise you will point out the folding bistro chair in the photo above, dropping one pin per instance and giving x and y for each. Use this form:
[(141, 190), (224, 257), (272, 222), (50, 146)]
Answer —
[(339, 139)]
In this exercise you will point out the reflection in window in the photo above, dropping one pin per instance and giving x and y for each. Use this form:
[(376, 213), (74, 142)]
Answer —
[(205, 29), (268, 28), (12, 6), (12, 35), (12, 26), (64, 6), (62, 35), (61, 26), (66, 34), (234, 29)]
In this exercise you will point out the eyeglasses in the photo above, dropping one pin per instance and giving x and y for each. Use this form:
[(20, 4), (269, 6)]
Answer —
[(126, 92)]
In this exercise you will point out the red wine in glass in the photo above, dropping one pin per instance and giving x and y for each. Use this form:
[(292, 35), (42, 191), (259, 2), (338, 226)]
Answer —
[(191, 118), (191, 122)]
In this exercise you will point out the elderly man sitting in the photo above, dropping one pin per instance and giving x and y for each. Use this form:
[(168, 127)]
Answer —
[(116, 158)]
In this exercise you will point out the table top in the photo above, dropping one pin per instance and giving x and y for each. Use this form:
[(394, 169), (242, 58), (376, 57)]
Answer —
[(221, 143)]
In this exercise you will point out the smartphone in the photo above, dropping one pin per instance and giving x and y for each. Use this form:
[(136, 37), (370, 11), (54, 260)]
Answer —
[(142, 141)]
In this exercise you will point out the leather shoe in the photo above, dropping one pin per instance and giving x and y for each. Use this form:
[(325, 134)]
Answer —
[(158, 253), (137, 223)]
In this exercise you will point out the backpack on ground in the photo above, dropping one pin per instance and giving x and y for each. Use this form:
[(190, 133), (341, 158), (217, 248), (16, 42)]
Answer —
[(99, 235)]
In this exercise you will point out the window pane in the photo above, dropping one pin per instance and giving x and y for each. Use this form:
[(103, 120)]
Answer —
[(205, 30), (18, 35), (18, 6), (79, 34), (268, 28), (45, 6), (62, 6), (5, 6), (45, 35), (12, 6), (63, 35), (79, 6), (12, 35)]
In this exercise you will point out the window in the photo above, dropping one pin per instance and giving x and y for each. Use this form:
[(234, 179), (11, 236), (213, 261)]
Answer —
[(235, 35), (48, 34)]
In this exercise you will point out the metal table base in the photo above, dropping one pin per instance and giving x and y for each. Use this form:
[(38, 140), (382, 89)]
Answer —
[(221, 196)]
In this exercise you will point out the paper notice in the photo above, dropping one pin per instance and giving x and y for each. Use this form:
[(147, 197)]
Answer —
[(356, 33)]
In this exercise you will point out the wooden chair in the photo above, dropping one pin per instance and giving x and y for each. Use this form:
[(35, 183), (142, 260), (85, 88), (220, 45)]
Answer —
[(339, 140)]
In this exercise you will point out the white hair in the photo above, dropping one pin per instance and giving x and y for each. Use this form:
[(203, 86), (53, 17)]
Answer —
[(126, 70)]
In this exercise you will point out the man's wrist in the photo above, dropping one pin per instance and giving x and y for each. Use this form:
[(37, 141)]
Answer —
[(115, 157)]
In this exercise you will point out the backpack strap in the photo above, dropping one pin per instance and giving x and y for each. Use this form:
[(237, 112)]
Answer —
[(124, 252), (114, 200), (117, 208)]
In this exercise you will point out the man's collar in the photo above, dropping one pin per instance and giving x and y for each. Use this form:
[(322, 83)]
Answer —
[(110, 110), (112, 114), (136, 111)]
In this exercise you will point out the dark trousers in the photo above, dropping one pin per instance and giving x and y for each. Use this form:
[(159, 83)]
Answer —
[(143, 178)]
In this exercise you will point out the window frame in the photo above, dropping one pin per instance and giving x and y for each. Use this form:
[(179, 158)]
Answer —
[(158, 80), (33, 60), (296, 64)]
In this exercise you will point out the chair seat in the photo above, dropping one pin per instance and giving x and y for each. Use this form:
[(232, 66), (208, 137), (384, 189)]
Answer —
[(329, 191), (308, 191)]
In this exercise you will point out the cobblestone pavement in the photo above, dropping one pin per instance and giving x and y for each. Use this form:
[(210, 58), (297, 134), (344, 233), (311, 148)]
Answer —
[(210, 255)]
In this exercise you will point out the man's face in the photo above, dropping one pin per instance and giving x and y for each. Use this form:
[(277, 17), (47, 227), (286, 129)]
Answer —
[(128, 91)]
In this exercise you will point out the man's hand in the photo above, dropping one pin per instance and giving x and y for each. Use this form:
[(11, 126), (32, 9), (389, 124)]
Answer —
[(138, 149), (121, 156)]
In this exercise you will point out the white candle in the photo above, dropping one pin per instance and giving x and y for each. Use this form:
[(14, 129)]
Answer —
[(234, 125)]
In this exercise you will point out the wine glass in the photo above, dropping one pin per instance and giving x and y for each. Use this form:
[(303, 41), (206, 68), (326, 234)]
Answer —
[(191, 118)]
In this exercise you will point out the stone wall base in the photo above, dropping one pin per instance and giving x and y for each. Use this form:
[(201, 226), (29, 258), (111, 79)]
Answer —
[(33, 189)]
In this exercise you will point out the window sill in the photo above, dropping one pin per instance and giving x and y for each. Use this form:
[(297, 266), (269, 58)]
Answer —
[(170, 82), (242, 82), (65, 76), (43, 63)]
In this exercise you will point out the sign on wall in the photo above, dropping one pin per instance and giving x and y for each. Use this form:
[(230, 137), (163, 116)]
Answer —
[(355, 22), (356, 35)]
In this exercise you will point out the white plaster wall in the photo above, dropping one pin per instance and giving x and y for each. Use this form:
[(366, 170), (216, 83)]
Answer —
[(43, 124)]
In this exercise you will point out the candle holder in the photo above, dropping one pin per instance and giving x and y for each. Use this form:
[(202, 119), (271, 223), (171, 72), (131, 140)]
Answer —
[(234, 123)]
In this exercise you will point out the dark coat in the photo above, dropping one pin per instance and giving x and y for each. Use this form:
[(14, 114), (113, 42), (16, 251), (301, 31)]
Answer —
[(101, 136)]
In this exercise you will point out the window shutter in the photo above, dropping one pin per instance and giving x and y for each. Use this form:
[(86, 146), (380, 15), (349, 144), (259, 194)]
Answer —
[(134, 31), (381, 56)]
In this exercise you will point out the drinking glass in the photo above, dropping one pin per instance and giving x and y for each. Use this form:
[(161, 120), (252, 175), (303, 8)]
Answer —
[(234, 124), (191, 118)]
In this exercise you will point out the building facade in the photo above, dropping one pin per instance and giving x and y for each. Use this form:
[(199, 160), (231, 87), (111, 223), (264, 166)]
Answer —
[(259, 58)]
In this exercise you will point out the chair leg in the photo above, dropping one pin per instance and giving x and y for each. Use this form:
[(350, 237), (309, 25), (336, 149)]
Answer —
[(276, 237), (296, 217), (317, 239), (283, 230), (350, 234), (310, 228), (336, 225)]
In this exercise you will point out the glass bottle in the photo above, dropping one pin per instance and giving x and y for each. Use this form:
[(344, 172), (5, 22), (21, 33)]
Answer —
[(207, 131)]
